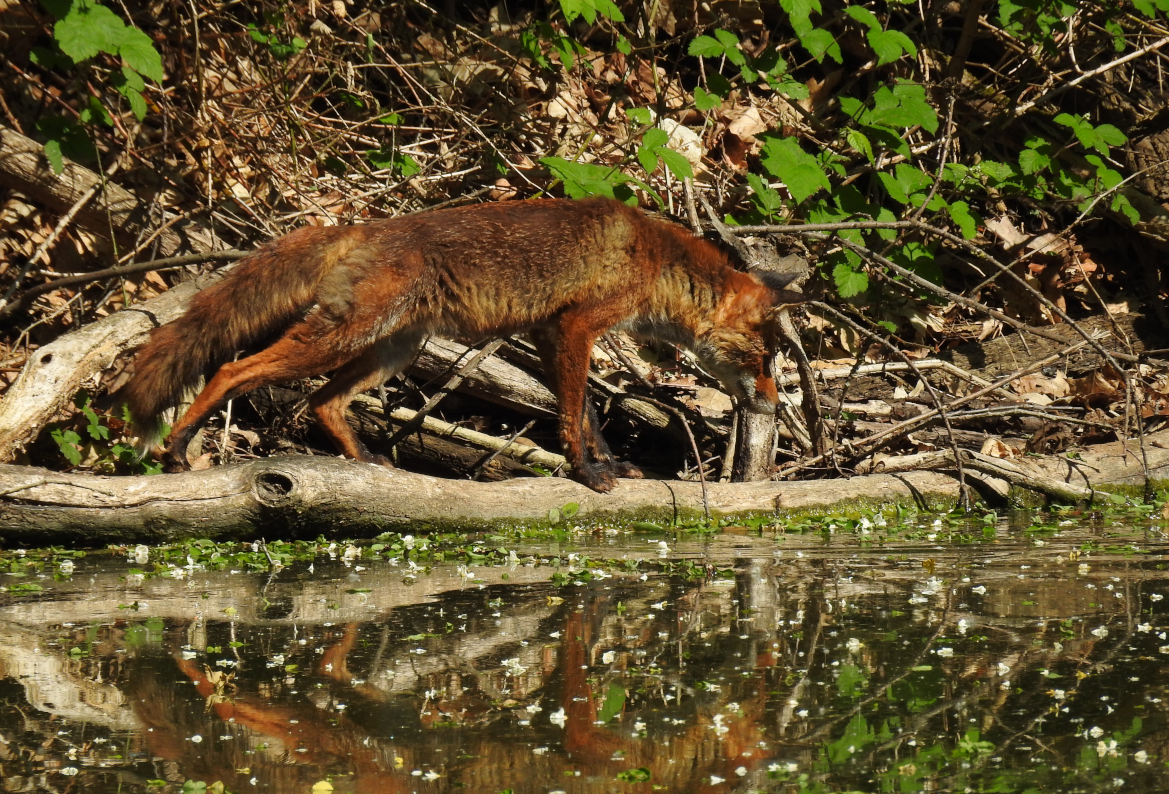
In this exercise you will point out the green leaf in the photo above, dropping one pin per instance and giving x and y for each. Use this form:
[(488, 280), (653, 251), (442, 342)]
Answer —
[(766, 198), (623, 45), (905, 105), (677, 164), (639, 775), (586, 179), (647, 156), (790, 87), (890, 45), (893, 188), (68, 441), (729, 40), (389, 157), (718, 84), (784, 158), (565, 51), (705, 101), (530, 44), (705, 46), (819, 43), (614, 702), (88, 30), (962, 217), (640, 115), (94, 111), (999, 172), (54, 156), (1111, 135), (137, 50), (860, 143), (655, 137), (1032, 161), (1121, 204), (864, 16), (609, 10), (578, 8), (849, 282), (730, 44), (50, 59)]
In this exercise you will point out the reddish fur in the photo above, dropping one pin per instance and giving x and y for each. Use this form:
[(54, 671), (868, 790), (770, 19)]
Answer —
[(360, 299)]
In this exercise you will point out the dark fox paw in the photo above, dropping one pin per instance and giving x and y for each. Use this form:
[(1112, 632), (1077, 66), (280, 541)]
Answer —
[(626, 470), (596, 478), (173, 462)]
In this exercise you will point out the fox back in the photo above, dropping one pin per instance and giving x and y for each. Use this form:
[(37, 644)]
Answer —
[(360, 300)]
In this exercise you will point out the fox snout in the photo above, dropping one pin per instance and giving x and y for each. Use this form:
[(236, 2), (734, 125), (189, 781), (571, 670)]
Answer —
[(758, 392)]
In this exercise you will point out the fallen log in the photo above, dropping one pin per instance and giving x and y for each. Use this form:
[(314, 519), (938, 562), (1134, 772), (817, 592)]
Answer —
[(297, 496)]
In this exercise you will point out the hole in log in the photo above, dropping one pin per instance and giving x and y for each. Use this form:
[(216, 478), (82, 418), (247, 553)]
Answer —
[(273, 487)]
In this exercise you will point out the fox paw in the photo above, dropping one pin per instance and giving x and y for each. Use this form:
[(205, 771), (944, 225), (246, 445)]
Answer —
[(599, 480), (626, 470), (173, 462)]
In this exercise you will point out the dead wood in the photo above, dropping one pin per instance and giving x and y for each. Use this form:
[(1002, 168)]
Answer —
[(297, 496), (998, 468), (1130, 334), (55, 372), (23, 167)]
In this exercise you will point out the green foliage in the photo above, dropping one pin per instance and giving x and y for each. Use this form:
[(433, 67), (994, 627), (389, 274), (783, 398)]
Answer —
[(281, 47), (590, 10), (889, 45), (639, 775), (768, 65), (582, 180), (654, 150), (784, 159), (390, 157), (817, 41), (95, 447), (83, 31), (614, 703), (1099, 137)]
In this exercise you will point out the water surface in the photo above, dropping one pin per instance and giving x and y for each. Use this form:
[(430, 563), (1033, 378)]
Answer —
[(930, 654)]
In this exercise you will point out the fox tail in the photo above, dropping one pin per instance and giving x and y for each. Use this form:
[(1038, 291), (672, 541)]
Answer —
[(262, 294)]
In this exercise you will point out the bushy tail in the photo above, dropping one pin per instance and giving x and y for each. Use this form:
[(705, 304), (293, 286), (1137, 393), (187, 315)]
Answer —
[(261, 295)]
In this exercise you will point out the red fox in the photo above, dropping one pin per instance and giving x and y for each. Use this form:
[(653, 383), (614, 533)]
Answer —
[(360, 300)]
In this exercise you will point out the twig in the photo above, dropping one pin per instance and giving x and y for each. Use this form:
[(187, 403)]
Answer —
[(120, 270), (452, 384), (483, 464), (868, 444), (693, 447), (1059, 89), (940, 407)]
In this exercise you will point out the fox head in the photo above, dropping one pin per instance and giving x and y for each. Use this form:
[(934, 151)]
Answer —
[(740, 346)]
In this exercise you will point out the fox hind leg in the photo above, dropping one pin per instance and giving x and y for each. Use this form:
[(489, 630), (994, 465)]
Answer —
[(292, 357), (372, 368)]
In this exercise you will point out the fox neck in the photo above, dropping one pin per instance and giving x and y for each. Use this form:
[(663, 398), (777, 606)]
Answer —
[(698, 292)]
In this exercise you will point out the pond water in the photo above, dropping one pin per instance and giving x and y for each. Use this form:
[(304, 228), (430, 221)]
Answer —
[(924, 653)]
